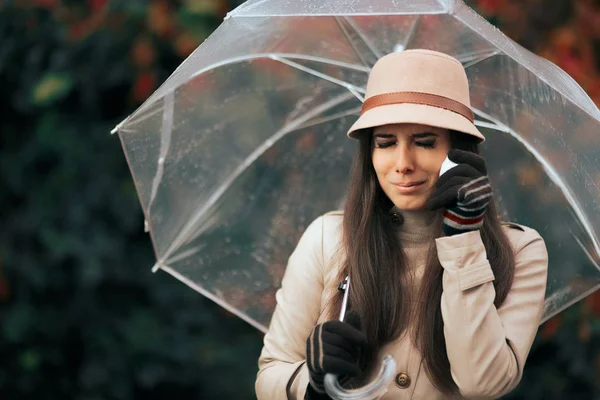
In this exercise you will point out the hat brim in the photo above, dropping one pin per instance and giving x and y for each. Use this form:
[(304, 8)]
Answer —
[(409, 113)]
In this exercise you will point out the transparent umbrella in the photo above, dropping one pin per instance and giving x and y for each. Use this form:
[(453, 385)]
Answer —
[(245, 143)]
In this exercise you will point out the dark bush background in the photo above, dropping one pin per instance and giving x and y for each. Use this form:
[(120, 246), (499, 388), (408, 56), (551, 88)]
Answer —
[(81, 315)]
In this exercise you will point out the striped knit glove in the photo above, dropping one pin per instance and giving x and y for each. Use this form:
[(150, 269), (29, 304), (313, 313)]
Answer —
[(464, 192), (333, 347)]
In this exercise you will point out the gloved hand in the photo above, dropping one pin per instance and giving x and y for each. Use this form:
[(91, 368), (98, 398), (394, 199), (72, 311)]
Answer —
[(464, 192), (333, 347)]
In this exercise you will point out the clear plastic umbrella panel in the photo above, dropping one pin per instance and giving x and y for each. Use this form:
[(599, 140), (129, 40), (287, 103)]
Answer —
[(244, 145)]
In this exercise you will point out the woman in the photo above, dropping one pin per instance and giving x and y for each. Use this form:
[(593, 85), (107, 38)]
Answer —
[(438, 282)]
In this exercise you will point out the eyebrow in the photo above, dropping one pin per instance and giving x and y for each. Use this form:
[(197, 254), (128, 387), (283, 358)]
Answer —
[(424, 135), (421, 135), (384, 135)]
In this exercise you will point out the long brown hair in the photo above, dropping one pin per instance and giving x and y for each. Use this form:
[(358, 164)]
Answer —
[(376, 262)]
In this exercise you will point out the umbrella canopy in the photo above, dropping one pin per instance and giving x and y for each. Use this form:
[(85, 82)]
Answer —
[(244, 145)]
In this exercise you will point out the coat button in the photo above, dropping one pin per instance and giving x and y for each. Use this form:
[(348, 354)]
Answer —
[(397, 217), (402, 380)]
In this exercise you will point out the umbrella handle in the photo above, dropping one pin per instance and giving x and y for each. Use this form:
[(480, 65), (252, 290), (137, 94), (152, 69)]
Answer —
[(371, 391)]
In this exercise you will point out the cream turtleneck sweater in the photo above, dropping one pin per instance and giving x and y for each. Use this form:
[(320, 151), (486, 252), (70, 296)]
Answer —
[(416, 234), (416, 231)]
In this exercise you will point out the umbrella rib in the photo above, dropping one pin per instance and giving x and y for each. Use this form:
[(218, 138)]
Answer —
[(247, 8), (358, 95), (151, 100), (187, 234), (352, 44), (165, 143), (214, 298), (181, 256), (411, 33), (498, 52), (352, 88), (360, 34), (568, 304), (476, 58), (364, 37), (553, 175), (593, 259), (488, 125), (473, 21), (448, 5), (120, 128), (282, 55), (332, 117)]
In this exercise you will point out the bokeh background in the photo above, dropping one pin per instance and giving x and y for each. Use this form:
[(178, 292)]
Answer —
[(81, 315)]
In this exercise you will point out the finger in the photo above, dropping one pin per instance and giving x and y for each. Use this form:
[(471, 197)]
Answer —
[(345, 331), (446, 184), (343, 341), (469, 158), (341, 367), (447, 193), (476, 204), (343, 354), (442, 200), (463, 170), (474, 189), (314, 348), (353, 319)]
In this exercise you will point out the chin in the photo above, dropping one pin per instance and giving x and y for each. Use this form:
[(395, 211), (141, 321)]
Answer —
[(410, 204)]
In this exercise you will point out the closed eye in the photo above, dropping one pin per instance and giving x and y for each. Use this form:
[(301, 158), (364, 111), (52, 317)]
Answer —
[(383, 145), (428, 144)]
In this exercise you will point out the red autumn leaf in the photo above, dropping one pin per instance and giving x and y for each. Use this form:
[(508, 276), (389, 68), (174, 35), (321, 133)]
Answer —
[(4, 289), (306, 142), (78, 30), (550, 327), (46, 3), (585, 331), (266, 300), (160, 18), (144, 85), (96, 5), (143, 53), (489, 7), (185, 44), (592, 302)]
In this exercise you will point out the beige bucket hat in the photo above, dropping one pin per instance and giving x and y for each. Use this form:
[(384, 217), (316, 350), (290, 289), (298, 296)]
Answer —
[(420, 87)]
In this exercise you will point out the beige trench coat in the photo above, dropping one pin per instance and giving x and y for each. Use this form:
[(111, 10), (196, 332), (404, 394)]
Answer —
[(487, 347)]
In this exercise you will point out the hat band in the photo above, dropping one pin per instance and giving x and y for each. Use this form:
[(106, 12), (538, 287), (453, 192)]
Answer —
[(418, 98)]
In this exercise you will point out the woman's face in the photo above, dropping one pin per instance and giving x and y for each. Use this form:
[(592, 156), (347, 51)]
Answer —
[(407, 159)]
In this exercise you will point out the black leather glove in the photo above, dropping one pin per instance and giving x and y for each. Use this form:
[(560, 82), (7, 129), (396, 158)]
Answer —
[(333, 347), (464, 192)]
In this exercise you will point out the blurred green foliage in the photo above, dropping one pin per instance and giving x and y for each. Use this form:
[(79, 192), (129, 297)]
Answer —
[(81, 316)]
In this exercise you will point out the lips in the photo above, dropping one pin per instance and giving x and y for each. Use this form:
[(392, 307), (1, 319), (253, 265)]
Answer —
[(408, 187), (409, 184)]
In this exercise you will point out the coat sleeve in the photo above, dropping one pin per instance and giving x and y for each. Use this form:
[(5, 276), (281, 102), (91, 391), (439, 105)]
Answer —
[(282, 371), (487, 347)]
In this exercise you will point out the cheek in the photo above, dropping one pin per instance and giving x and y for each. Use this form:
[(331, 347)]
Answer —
[(433, 180), (379, 164), (433, 164)]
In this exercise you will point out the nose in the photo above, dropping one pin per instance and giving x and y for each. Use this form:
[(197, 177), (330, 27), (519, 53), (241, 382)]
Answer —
[(405, 162)]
